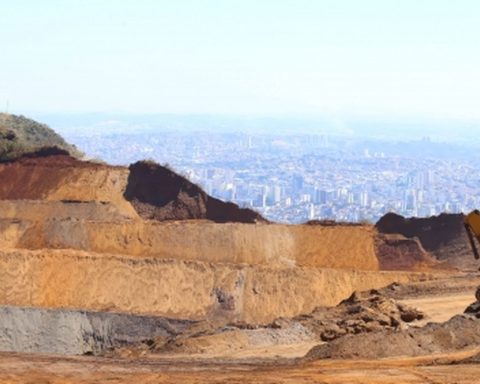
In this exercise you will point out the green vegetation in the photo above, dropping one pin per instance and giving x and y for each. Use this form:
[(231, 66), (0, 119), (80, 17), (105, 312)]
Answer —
[(20, 136)]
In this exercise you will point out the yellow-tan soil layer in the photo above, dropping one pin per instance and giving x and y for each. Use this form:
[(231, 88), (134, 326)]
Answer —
[(175, 288), (254, 244)]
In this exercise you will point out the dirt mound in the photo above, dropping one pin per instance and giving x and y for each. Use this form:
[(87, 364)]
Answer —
[(364, 312), (458, 333), (443, 236), (158, 193), (397, 252), (361, 313)]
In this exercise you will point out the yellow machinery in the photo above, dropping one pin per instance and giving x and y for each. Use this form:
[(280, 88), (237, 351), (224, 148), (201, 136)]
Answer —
[(472, 225)]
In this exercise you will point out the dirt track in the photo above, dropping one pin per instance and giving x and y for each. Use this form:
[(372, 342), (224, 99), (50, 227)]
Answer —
[(58, 370)]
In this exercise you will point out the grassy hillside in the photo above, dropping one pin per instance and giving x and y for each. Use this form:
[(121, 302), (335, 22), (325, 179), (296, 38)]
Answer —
[(20, 135)]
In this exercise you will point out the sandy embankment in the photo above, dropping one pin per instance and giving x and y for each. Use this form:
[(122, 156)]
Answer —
[(175, 288)]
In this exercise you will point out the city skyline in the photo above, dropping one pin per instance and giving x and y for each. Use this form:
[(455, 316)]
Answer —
[(296, 177)]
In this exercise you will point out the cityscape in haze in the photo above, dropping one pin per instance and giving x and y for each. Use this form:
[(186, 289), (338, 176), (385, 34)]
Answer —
[(405, 72), (294, 176)]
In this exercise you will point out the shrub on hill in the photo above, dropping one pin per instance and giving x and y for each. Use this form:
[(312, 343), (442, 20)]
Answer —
[(20, 136)]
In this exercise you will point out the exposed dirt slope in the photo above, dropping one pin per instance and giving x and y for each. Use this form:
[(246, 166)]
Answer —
[(397, 252), (63, 178), (176, 289), (267, 244), (38, 211), (443, 236), (158, 193)]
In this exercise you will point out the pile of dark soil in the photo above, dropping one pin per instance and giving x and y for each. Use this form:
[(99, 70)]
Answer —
[(444, 236), (158, 193)]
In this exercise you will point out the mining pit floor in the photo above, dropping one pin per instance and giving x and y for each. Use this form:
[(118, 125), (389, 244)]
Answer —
[(439, 299)]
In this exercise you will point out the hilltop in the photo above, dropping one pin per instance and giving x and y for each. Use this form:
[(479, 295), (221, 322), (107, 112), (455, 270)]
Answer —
[(20, 135)]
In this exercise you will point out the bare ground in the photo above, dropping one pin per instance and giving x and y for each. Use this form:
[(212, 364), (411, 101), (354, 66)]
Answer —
[(276, 364), (60, 370)]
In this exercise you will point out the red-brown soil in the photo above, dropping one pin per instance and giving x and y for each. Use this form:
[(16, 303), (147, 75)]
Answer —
[(36, 177)]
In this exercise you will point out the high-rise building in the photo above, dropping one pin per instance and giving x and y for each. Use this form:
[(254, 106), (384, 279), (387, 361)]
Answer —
[(277, 194)]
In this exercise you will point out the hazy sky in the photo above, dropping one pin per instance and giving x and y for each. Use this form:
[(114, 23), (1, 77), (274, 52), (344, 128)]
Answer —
[(358, 57)]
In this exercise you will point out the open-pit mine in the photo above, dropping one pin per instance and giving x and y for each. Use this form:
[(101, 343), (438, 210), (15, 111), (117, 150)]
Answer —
[(122, 274)]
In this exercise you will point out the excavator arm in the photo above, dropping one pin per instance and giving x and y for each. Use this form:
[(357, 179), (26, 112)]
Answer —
[(472, 226)]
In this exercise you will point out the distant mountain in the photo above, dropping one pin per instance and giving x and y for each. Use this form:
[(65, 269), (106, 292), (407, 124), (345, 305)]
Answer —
[(20, 136)]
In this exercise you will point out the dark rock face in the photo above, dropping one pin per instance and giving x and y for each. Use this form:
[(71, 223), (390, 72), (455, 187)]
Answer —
[(443, 236), (158, 193)]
